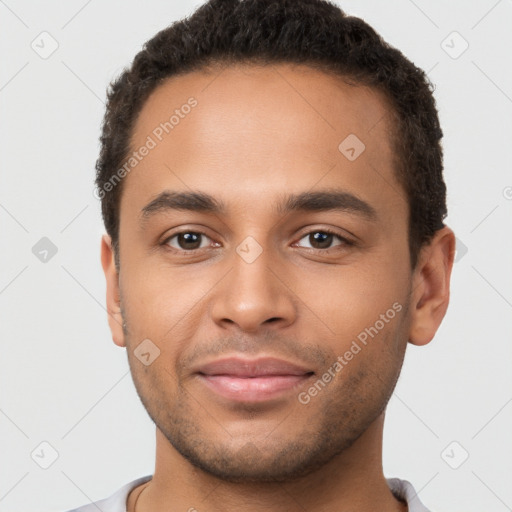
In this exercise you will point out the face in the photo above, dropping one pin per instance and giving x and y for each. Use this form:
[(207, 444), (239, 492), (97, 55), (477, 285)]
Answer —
[(264, 255)]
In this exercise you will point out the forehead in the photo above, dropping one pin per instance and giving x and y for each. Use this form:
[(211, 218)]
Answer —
[(250, 131)]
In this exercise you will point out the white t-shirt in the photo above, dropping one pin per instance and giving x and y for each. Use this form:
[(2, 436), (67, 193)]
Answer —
[(401, 489)]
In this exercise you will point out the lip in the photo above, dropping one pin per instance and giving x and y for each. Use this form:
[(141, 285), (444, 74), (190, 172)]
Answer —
[(252, 380)]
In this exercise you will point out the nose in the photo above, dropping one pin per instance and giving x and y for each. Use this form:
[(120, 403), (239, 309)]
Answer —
[(253, 296)]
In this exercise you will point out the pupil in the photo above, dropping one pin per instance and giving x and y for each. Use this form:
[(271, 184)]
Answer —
[(189, 240), (322, 239)]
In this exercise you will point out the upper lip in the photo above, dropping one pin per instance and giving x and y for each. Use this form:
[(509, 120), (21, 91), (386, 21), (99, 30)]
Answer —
[(241, 367)]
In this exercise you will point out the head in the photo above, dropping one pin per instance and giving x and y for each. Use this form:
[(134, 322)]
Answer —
[(271, 184)]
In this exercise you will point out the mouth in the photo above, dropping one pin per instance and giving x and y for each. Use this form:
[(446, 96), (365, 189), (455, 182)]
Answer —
[(259, 380)]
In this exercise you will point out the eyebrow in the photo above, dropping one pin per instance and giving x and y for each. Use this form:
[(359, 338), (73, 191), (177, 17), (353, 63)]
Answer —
[(325, 200)]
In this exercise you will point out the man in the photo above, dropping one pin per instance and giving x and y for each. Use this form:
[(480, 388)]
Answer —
[(271, 185)]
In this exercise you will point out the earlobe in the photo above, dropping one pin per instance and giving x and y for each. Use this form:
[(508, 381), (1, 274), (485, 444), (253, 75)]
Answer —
[(115, 319), (430, 293)]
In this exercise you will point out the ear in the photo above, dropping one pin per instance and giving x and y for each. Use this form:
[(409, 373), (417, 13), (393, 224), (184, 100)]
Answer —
[(115, 319), (431, 286)]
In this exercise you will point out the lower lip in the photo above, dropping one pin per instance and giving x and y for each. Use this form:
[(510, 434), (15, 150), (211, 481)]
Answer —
[(252, 389)]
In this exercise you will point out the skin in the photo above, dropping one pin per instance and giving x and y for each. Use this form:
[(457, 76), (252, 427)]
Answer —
[(257, 135)]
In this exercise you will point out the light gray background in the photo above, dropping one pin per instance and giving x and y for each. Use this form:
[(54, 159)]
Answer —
[(63, 380)]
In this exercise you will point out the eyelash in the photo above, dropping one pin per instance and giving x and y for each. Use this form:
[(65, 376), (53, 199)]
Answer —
[(345, 241)]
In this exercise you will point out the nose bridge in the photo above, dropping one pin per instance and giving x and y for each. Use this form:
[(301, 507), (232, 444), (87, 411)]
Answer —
[(252, 276), (251, 294)]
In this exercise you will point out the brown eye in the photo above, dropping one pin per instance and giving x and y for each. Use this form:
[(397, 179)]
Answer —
[(188, 240), (322, 239)]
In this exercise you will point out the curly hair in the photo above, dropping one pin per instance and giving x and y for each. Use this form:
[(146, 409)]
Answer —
[(316, 33)]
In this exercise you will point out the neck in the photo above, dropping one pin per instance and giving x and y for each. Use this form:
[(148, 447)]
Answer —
[(352, 480)]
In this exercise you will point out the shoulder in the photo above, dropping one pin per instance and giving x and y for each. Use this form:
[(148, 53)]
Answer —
[(116, 502), (404, 490)]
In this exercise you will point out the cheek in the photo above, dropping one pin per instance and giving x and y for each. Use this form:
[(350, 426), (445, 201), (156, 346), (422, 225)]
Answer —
[(347, 299), (162, 303)]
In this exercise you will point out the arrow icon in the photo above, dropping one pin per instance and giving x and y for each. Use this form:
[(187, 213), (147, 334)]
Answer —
[(44, 44), (243, 249), (146, 352), (454, 455), (44, 250), (44, 455), (351, 147), (454, 45)]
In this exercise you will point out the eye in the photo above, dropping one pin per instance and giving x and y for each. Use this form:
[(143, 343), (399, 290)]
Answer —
[(323, 239), (188, 241)]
